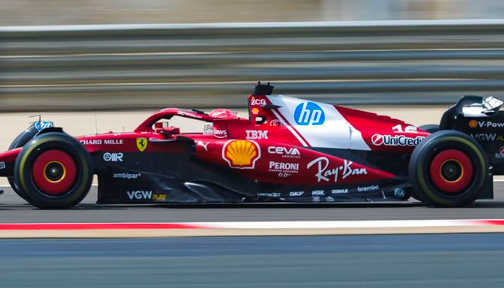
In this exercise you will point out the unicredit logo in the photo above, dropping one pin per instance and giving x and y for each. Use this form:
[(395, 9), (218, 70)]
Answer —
[(396, 140)]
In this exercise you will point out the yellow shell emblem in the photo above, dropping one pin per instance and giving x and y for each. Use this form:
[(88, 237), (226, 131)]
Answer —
[(241, 154), (473, 123)]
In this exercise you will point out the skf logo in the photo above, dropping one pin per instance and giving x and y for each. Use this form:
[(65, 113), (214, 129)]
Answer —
[(141, 144), (309, 113), (241, 154), (473, 123)]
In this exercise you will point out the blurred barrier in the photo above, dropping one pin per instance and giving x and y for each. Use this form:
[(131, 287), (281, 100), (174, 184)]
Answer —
[(208, 65)]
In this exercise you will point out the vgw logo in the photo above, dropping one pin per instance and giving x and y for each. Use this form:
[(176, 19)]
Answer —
[(309, 113)]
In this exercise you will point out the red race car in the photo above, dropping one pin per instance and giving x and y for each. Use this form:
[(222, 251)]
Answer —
[(288, 150)]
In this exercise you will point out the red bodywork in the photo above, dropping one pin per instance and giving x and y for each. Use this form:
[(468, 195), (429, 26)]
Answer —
[(273, 141)]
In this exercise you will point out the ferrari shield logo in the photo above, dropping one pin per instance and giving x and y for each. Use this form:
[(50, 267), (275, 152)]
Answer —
[(141, 144)]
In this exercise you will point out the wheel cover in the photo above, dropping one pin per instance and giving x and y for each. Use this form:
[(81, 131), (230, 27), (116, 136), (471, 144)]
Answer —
[(54, 172), (451, 171)]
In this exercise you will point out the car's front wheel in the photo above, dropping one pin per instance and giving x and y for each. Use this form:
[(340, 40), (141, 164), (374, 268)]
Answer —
[(54, 171)]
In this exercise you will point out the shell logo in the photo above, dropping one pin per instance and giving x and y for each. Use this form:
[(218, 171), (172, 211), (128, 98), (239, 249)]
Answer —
[(241, 154), (473, 123)]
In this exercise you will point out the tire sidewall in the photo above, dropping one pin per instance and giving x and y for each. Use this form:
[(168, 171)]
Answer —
[(419, 168), (30, 152)]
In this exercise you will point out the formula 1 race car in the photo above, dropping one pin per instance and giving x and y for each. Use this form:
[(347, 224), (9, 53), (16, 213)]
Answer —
[(287, 150)]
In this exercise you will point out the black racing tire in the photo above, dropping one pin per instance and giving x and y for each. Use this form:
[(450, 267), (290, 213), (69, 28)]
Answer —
[(448, 169), (53, 171), (431, 128)]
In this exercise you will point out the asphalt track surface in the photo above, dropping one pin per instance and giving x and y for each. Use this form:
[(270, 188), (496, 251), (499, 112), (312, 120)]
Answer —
[(14, 210), (460, 260)]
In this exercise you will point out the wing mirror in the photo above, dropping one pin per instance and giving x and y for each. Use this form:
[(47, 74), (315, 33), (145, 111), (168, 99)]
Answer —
[(166, 130)]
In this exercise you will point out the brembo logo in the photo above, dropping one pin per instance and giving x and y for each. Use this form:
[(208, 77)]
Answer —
[(309, 113), (396, 140)]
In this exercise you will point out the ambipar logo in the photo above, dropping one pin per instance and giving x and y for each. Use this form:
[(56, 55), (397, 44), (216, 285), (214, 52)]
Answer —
[(309, 113)]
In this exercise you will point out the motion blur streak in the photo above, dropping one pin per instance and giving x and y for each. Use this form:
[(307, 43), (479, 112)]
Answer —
[(208, 65)]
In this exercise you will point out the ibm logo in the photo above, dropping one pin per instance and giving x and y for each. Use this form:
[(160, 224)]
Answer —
[(309, 113)]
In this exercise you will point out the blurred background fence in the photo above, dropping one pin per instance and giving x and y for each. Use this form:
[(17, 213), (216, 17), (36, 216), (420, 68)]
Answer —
[(207, 65)]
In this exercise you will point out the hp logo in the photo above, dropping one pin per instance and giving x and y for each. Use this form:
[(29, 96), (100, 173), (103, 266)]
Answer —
[(43, 125), (309, 113)]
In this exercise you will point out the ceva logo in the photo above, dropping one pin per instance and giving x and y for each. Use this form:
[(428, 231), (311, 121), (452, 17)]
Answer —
[(309, 113)]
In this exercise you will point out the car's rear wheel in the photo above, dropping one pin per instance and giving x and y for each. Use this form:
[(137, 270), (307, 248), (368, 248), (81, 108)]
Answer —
[(53, 171), (448, 169)]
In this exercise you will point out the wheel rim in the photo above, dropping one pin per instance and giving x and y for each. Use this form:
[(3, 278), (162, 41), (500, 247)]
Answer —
[(451, 171), (54, 172)]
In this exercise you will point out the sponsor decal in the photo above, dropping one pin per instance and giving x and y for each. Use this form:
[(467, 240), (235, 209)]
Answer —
[(208, 129), (318, 193), (315, 199), (113, 142), (499, 155), (113, 157), (140, 195), (43, 125), (2, 165), (284, 151), (145, 195), (485, 124), (255, 111), (241, 154), (203, 144), (329, 199), (91, 142), (100, 142), (283, 167), (187, 113), (340, 173), (254, 102), (159, 197), (142, 143), (269, 194), (399, 192), (339, 191), (296, 193), (126, 175), (256, 134), (309, 113), (220, 133), (275, 122), (395, 140), (483, 137), (473, 123), (368, 188)]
